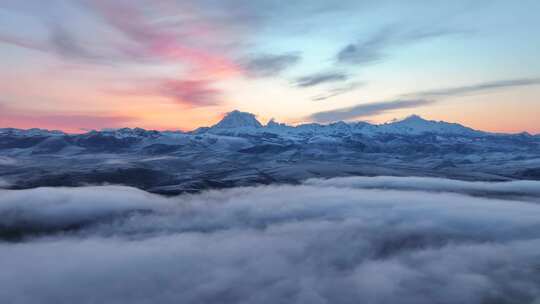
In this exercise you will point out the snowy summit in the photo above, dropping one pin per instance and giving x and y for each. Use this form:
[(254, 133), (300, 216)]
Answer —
[(237, 119)]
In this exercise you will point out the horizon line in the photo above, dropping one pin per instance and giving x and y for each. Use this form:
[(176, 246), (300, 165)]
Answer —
[(348, 122)]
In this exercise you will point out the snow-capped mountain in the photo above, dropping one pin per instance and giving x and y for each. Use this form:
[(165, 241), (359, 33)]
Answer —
[(237, 123), (239, 150), (236, 120), (416, 125)]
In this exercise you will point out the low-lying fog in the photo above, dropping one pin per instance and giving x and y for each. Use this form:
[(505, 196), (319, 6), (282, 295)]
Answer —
[(344, 240)]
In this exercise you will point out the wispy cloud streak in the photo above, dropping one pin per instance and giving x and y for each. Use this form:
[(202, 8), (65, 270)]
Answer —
[(375, 48), (338, 91), (268, 65), (478, 88), (162, 41), (320, 78), (367, 109), (190, 92)]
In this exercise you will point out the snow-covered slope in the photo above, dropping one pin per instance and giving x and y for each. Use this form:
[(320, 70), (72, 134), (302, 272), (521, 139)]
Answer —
[(127, 132), (240, 151), (29, 132)]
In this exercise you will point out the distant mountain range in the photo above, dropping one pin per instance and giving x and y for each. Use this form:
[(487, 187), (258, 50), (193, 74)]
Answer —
[(239, 150), (237, 123)]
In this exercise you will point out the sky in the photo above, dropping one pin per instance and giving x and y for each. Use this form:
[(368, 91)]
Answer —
[(77, 65)]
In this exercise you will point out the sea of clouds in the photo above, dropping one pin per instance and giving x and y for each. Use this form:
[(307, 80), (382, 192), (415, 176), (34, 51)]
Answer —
[(343, 240)]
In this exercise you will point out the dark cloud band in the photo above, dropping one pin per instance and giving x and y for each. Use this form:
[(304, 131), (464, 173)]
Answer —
[(268, 65), (321, 78), (478, 88), (365, 110)]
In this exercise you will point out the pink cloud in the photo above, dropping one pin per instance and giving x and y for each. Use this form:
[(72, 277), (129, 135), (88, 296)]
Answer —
[(154, 40), (191, 92), (191, 39), (159, 32)]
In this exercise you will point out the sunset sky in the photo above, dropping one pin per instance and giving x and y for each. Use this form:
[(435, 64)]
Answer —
[(179, 64)]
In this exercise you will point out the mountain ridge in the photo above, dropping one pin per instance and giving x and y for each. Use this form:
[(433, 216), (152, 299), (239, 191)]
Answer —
[(240, 151), (238, 122)]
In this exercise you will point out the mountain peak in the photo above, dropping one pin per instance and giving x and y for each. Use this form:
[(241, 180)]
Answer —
[(412, 118), (238, 119), (415, 117), (414, 124), (273, 124)]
